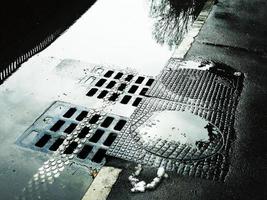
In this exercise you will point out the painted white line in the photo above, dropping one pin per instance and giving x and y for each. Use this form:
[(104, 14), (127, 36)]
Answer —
[(102, 184), (189, 38)]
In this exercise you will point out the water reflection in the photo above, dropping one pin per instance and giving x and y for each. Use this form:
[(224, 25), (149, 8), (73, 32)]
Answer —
[(126, 33), (178, 135), (173, 18)]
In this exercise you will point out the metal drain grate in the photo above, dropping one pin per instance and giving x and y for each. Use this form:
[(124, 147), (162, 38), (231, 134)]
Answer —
[(210, 91), (50, 130), (133, 93)]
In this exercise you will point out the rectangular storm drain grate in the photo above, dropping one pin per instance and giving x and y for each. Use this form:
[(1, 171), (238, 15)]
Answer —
[(47, 135), (129, 94)]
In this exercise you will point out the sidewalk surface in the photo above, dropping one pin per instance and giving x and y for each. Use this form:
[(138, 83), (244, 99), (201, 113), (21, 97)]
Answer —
[(234, 34)]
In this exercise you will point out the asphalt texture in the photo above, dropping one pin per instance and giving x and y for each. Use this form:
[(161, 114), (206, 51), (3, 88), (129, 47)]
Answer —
[(234, 34)]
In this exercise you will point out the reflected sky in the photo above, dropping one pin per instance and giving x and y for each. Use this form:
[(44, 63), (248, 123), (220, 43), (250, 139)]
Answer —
[(121, 32), (174, 126), (115, 32), (179, 129)]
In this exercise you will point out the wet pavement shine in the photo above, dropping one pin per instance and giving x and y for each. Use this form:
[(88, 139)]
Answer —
[(233, 34), (132, 33), (126, 97)]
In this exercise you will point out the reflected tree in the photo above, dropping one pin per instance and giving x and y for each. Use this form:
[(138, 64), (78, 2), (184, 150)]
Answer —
[(172, 19)]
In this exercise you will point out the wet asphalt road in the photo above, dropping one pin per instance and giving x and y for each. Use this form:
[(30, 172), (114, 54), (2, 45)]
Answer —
[(234, 34)]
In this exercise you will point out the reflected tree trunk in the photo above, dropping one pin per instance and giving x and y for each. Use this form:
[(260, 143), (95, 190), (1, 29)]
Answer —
[(173, 18)]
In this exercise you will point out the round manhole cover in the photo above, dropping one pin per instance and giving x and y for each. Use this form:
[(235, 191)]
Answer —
[(179, 135)]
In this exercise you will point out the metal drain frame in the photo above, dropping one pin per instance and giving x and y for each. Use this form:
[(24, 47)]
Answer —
[(203, 95), (101, 84), (42, 126)]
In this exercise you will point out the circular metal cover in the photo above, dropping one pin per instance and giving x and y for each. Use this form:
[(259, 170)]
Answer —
[(179, 135)]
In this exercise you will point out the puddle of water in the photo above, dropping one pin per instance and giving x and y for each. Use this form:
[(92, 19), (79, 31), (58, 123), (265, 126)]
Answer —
[(179, 130), (132, 33), (173, 126)]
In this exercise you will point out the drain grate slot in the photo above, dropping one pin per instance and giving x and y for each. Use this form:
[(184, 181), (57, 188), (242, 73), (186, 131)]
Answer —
[(70, 128), (94, 119), (99, 156), (97, 135), (120, 125), (92, 92), (84, 132), (102, 94), (143, 91), (129, 77), (108, 73), (108, 81), (82, 115), (106, 123), (100, 82), (110, 139), (85, 152), (118, 75), (111, 84), (43, 140), (56, 144), (40, 138), (126, 99), (71, 148), (137, 101), (139, 80), (122, 87), (150, 82), (70, 112), (114, 96), (57, 125), (133, 89)]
